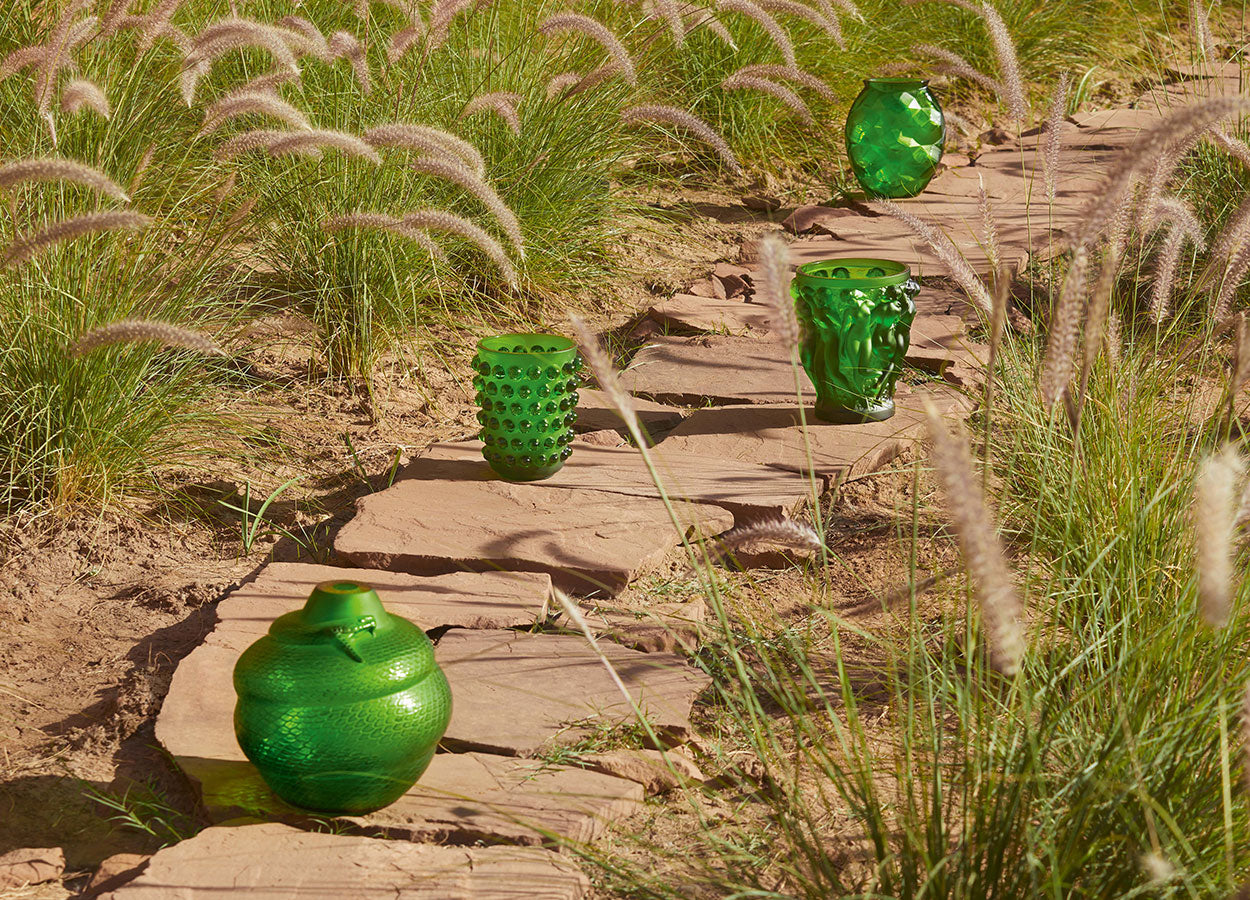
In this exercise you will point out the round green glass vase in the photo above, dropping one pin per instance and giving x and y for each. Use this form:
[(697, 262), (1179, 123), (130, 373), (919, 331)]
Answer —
[(527, 398), (894, 136), (341, 705), (855, 316)]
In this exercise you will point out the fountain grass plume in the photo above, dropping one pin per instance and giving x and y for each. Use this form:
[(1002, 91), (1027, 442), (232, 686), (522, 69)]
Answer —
[(828, 24), (772, 532), (752, 10), (22, 58), (247, 141), (386, 223), (739, 81), (1214, 510), (558, 84), (1053, 141), (1166, 264), (455, 171), (1008, 63), (1230, 145), (345, 45), (773, 289), (265, 103), (1234, 273), (1002, 612), (942, 246), (227, 36), (1181, 215), (61, 41), (846, 6), (605, 373), (596, 31), (402, 41), (1096, 319), (156, 23), (43, 169), (132, 331), (439, 220), (671, 115), (26, 248), (1201, 25), (777, 72), (955, 65), (144, 161), (1065, 325), (314, 42), (113, 15), (81, 93), (502, 103), (317, 139), (428, 140), (442, 14)]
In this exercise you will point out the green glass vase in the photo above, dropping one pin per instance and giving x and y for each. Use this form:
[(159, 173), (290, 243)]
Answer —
[(527, 396), (855, 316), (341, 705), (894, 136)]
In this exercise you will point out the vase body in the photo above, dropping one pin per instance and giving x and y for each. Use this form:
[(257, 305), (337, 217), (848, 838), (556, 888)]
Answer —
[(527, 398), (894, 136), (341, 705), (855, 316)]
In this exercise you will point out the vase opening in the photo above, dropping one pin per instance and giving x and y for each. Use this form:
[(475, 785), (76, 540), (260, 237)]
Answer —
[(896, 83), (861, 273), (527, 344)]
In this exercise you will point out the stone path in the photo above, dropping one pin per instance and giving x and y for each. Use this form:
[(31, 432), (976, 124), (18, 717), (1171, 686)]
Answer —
[(450, 545)]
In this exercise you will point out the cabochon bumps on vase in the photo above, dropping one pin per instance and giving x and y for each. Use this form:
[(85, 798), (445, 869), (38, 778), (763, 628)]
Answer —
[(341, 705), (855, 315), (527, 393), (894, 136)]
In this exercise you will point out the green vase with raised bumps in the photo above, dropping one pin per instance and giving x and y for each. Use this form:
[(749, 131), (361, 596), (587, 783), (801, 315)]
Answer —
[(855, 316), (341, 705), (894, 136), (527, 398)]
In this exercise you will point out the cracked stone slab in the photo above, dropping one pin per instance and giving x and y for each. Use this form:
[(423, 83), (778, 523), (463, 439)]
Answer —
[(460, 599), (595, 412), (279, 862), (708, 314), (517, 693), (748, 491), (461, 798), (773, 435)]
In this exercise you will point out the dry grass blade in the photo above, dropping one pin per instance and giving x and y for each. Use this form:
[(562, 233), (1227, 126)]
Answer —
[(131, 331), (596, 31), (52, 169), (425, 139), (960, 269), (502, 103), (1216, 492), (458, 173), (252, 103), (773, 289), (26, 248), (738, 81), (315, 140), (1054, 135), (671, 115), (438, 220), (997, 598), (605, 373), (751, 10)]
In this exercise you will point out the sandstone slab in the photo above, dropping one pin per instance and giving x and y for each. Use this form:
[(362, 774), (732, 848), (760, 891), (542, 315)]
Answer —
[(461, 599), (774, 435), (461, 798), (657, 771), (595, 412), (748, 491), (30, 865), (518, 693), (588, 541), (686, 312), (276, 861)]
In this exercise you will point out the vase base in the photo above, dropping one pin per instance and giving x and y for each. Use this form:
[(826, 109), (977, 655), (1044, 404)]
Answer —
[(841, 415), (523, 475)]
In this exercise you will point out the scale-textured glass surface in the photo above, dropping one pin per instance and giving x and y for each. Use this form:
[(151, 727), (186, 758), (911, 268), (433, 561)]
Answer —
[(856, 317), (894, 136), (341, 705), (527, 395)]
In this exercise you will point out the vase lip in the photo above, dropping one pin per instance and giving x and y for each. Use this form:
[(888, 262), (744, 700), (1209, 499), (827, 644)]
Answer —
[(896, 82), (532, 344), (895, 272)]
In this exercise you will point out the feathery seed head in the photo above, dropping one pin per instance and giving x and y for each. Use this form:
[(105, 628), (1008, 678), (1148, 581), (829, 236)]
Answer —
[(315, 140), (942, 246), (1059, 363), (346, 45), (130, 331), (428, 140), (774, 532), (830, 25), (596, 31), (247, 141), (26, 248), (739, 81), (798, 76), (455, 171), (1008, 64), (605, 373), (386, 223), (502, 103), (774, 289), (81, 93), (1216, 492), (558, 84), (671, 115), (254, 103), (752, 10), (439, 220), (1054, 135), (52, 169)]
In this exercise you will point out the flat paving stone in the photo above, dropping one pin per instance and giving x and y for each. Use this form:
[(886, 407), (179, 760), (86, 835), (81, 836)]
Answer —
[(588, 541), (276, 861), (461, 599), (773, 436), (707, 314), (517, 693), (595, 412), (748, 491), (461, 798)]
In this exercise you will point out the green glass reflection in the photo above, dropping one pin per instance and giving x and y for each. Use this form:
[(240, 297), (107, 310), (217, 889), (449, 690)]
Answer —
[(856, 317), (527, 396), (894, 136), (341, 705)]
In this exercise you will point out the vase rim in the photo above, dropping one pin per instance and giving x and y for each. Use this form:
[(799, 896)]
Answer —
[(896, 82), (895, 272), (547, 344)]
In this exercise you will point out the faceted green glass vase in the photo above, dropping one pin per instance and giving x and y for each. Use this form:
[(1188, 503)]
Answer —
[(855, 316), (894, 136), (341, 705), (527, 396)]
